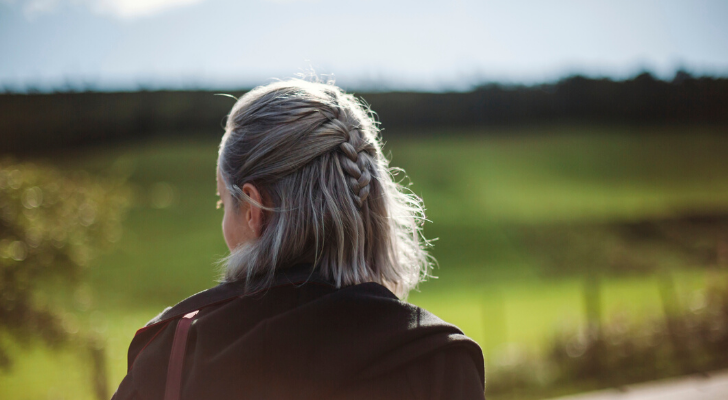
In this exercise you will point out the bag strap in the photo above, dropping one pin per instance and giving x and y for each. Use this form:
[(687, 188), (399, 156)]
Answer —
[(177, 357)]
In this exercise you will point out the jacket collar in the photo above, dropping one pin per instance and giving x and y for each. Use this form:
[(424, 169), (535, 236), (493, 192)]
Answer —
[(299, 274)]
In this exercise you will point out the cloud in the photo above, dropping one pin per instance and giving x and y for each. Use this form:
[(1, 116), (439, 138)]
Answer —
[(138, 8), (292, 1), (125, 9)]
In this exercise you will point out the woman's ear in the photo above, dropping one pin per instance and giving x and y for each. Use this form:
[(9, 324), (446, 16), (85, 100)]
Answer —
[(253, 214)]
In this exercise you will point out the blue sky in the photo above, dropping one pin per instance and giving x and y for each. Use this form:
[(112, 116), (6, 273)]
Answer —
[(124, 44)]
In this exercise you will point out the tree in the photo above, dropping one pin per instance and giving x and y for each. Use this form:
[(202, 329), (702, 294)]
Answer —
[(52, 223)]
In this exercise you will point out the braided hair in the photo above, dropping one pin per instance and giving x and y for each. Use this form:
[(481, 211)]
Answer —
[(355, 158), (315, 153)]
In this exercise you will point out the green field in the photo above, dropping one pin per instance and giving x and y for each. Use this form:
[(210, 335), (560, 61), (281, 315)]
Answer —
[(477, 185)]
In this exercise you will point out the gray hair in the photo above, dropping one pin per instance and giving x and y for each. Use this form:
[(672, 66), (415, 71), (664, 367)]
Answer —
[(315, 153)]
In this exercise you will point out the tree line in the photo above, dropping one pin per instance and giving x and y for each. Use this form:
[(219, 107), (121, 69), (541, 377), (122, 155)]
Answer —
[(36, 121)]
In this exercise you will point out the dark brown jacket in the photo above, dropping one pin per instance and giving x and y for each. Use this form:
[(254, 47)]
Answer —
[(305, 339)]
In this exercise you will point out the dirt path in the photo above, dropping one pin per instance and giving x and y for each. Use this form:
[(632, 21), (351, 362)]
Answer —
[(713, 387)]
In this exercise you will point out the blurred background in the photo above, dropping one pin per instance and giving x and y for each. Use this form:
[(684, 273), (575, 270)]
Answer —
[(571, 155)]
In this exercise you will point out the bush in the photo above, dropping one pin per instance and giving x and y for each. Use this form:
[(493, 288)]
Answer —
[(52, 223)]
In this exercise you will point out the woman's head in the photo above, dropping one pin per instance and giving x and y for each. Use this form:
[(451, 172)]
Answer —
[(312, 156)]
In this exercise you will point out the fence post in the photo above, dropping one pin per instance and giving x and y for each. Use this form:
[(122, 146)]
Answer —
[(99, 375), (675, 328), (593, 308)]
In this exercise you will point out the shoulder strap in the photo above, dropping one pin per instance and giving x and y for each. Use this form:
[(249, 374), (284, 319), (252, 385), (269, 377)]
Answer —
[(177, 358)]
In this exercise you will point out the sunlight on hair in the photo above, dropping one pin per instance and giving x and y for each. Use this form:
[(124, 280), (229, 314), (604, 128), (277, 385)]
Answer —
[(317, 154)]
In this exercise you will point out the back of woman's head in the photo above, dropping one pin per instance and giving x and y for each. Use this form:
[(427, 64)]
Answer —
[(315, 155)]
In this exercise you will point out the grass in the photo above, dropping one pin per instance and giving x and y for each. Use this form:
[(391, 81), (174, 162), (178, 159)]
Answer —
[(526, 313), (476, 188), (566, 173)]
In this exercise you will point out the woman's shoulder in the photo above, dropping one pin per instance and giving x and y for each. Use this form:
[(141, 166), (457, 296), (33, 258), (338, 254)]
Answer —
[(322, 339), (296, 276)]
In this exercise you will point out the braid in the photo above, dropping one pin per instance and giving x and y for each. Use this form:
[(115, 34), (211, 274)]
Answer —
[(354, 158)]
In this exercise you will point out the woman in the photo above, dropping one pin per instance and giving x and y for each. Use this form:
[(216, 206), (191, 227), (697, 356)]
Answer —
[(323, 245)]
